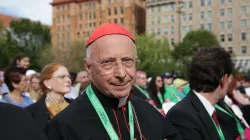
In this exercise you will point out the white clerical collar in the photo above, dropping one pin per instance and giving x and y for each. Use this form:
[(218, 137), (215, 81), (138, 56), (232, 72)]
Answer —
[(122, 101), (208, 106)]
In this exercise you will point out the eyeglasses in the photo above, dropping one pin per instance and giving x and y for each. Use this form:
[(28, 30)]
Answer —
[(109, 64), (62, 77), (159, 81)]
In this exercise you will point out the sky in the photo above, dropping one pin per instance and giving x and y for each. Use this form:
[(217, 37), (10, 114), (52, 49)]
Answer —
[(36, 10)]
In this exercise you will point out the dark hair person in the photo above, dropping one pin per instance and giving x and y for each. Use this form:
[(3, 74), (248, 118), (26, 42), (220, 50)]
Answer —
[(17, 83), (156, 90), (21, 60)]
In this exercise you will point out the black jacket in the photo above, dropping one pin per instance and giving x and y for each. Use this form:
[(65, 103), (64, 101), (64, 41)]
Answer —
[(16, 124), (193, 122)]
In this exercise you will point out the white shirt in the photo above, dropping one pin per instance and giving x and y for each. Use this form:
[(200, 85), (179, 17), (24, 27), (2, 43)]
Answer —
[(208, 106)]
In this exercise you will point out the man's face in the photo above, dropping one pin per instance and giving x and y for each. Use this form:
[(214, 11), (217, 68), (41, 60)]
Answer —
[(168, 81), (34, 83), (246, 84), (141, 80), (82, 77), (113, 65)]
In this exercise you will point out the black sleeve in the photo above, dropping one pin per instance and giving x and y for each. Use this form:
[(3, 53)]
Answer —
[(58, 130), (185, 125)]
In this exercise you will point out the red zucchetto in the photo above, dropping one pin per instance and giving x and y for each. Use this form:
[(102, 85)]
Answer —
[(108, 29)]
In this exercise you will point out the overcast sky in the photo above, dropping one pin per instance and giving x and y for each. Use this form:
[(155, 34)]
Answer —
[(33, 9)]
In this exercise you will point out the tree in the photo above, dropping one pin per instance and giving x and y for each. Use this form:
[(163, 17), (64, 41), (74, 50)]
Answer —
[(155, 55), (191, 43), (71, 56), (28, 37)]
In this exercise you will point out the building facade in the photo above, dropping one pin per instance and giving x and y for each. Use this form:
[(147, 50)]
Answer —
[(229, 20), (74, 20)]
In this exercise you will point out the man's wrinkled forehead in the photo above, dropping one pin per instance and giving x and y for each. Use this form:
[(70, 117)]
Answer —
[(113, 45)]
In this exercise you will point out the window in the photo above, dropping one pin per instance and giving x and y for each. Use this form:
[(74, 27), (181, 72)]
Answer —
[(172, 18), (243, 23), (58, 28), (190, 16), (152, 9), (209, 2), (58, 37), (184, 5), (109, 11), (68, 7), (165, 8), (243, 9), (159, 9), (230, 50), (229, 11), (222, 13), (69, 27), (222, 38), (243, 49), (172, 30), (90, 15), (153, 21), (80, 7), (159, 31), (202, 26), (68, 17), (184, 29), (202, 2), (58, 19), (80, 26), (109, 1), (190, 4), (80, 16), (165, 20), (190, 27), (229, 0), (94, 24), (243, 36), (152, 31), (115, 11), (94, 15), (202, 15), (222, 25), (230, 37), (159, 20), (86, 16), (63, 28), (58, 9), (172, 41), (122, 20), (63, 17), (209, 26), (229, 24), (209, 14), (172, 6), (222, 1), (184, 17), (165, 30), (121, 9), (115, 20), (62, 36)]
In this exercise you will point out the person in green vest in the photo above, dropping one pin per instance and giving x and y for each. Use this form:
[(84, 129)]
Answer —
[(171, 93)]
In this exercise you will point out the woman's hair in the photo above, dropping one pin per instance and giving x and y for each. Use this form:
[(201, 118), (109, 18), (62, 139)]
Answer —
[(233, 84), (47, 73), (18, 57), (152, 88), (13, 75)]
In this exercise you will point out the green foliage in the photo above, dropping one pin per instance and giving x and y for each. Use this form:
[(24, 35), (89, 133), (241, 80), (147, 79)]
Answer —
[(24, 36), (190, 45), (71, 56), (155, 55)]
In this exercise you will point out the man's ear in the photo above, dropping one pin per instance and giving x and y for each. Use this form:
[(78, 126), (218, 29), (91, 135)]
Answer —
[(87, 65), (223, 80)]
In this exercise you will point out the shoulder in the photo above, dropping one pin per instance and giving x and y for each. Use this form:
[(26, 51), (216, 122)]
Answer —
[(12, 110), (36, 106), (145, 108)]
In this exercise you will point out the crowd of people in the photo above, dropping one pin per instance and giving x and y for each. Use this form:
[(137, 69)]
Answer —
[(114, 100)]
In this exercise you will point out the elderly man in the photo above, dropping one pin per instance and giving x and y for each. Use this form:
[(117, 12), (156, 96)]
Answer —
[(82, 77), (202, 115), (106, 111)]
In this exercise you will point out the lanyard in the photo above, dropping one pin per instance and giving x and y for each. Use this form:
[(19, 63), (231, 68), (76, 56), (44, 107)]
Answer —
[(230, 113), (143, 91), (219, 130), (104, 117), (160, 97)]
